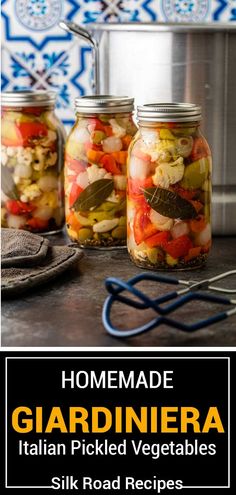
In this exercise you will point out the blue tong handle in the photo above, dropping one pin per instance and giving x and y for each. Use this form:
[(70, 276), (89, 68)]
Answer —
[(116, 287)]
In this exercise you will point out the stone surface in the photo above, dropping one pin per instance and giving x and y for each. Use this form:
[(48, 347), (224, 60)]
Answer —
[(68, 311)]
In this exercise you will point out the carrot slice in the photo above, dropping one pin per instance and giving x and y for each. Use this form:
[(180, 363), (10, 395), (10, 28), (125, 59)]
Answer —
[(126, 140), (198, 224), (108, 130), (120, 157), (94, 156), (193, 253), (109, 163), (73, 222)]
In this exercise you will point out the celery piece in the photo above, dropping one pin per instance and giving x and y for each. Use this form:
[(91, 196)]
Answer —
[(98, 216), (195, 174), (166, 134)]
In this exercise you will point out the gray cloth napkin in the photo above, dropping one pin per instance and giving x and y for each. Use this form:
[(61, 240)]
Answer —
[(21, 248), (28, 260)]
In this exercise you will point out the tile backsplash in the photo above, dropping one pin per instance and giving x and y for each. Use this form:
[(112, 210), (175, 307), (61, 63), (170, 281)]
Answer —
[(37, 54)]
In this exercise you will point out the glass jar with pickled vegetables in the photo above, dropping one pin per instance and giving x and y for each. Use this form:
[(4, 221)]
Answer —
[(32, 159), (169, 189), (95, 171)]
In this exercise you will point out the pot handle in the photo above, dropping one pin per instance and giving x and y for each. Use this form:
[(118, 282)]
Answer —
[(81, 32)]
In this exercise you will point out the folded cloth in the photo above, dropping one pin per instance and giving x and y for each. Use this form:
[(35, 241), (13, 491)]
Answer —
[(51, 262), (21, 248)]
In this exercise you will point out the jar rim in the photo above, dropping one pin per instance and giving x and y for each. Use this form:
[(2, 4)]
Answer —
[(28, 98), (166, 112), (104, 104)]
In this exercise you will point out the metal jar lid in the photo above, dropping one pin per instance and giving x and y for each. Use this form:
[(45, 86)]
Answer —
[(169, 112), (104, 104), (28, 98)]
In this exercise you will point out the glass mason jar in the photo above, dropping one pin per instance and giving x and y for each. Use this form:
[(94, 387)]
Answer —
[(95, 171), (169, 189), (32, 144)]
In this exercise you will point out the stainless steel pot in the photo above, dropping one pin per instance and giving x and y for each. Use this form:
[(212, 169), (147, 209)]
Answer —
[(174, 62)]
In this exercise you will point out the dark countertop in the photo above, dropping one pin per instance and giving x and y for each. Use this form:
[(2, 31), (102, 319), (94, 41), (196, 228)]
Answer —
[(67, 312)]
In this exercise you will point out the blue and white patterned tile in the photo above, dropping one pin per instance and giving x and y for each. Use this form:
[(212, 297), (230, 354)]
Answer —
[(37, 54), (64, 71), (36, 21), (117, 11), (223, 11), (185, 10)]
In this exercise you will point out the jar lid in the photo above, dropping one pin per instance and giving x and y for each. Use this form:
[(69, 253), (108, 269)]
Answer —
[(104, 103), (28, 98), (169, 112)]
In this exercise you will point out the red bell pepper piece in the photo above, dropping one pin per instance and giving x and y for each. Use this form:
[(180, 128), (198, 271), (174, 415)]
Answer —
[(95, 125), (37, 223), (74, 194), (179, 247), (108, 130), (198, 224), (200, 149), (184, 193), (158, 240), (143, 227), (30, 130), (109, 163), (17, 207)]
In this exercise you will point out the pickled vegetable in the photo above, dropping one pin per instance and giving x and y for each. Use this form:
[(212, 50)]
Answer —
[(95, 179), (32, 142), (169, 195)]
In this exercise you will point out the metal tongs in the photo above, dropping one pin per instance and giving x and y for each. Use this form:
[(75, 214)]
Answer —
[(116, 287)]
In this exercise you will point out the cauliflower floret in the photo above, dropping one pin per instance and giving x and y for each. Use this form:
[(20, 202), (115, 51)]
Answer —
[(40, 156), (22, 183), (96, 173), (150, 137), (49, 139), (23, 171), (51, 159), (162, 150), (30, 192), (48, 199), (24, 156), (169, 173), (117, 129), (11, 151)]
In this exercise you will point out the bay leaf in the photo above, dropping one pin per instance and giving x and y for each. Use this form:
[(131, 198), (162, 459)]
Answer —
[(169, 204), (7, 183), (94, 194)]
